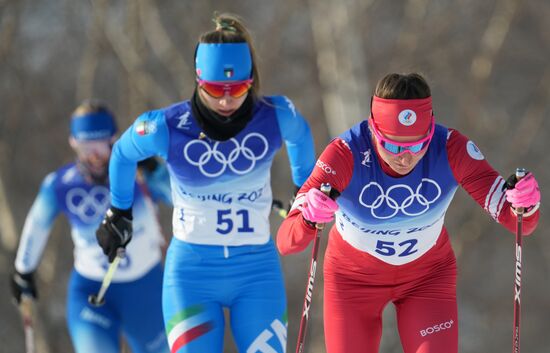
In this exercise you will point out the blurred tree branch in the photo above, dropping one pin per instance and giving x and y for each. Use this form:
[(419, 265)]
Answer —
[(92, 50), (341, 62), (163, 47), (147, 86), (8, 26), (482, 64)]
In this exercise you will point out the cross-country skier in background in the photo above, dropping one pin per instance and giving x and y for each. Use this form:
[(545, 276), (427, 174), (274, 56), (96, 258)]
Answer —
[(396, 174), (80, 191), (219, 147)]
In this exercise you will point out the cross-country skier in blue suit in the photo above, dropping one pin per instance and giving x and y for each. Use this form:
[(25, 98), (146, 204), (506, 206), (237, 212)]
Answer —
[(219, 147), (133, 305)]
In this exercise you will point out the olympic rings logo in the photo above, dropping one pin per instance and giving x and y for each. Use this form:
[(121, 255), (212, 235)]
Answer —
[(213, 161), (409, 206), (88, 206)]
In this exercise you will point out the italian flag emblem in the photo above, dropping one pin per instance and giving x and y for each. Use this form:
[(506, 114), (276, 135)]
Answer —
[(228, 72), (187, 325), (146, 127)]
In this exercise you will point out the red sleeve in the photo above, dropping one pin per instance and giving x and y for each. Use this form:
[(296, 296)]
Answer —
[(483, 183), (334, 166)]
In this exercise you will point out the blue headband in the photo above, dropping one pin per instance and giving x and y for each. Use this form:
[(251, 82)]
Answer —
[(93, 126), (223, 61)]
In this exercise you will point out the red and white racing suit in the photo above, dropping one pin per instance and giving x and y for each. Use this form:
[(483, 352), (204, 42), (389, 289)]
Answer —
[(389, 244)]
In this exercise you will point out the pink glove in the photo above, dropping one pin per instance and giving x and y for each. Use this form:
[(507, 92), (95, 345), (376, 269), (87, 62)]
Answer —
[(525, 194), (318, 207)]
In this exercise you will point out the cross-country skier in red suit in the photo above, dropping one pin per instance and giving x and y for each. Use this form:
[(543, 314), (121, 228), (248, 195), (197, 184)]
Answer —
[(394, 176)]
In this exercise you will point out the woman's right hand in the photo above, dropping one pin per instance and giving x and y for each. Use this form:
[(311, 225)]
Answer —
[(23, 284), (115, 231), (318, 207)]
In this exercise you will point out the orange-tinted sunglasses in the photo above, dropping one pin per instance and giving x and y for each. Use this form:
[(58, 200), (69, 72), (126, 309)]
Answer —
[(218, 89)]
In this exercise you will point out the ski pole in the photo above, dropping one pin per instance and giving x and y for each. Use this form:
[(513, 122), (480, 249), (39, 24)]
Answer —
[(99, 300), (520, 173), (26, 310), (300, 345)]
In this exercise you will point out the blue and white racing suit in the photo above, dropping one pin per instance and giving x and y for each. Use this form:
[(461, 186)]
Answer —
[(133, 301), (222, 255)]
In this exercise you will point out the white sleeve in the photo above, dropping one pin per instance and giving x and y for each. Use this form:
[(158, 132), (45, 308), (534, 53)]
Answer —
[(37, 227)]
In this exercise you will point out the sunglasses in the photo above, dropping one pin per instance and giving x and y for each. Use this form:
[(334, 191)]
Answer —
[(398, 148), (219, 89), (100, 148)]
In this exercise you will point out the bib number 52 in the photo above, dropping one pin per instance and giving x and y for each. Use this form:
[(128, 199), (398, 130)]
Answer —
[(226, 221), (389, 248)]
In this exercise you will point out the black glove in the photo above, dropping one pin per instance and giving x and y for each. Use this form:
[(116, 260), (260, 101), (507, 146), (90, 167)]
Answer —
[(510, 182), (23, 284), (148, 165), (115, 231)]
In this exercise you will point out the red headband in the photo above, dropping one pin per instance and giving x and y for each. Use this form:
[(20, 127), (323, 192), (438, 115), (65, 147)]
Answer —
[(402, 117)]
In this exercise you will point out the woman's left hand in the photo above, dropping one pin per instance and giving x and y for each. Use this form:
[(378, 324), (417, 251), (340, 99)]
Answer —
[(525, 193)]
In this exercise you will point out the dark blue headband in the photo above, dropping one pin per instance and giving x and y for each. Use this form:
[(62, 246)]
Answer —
[(93, 126), (223, 61)]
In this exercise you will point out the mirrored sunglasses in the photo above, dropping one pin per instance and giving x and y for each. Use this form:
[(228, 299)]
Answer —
[(398, 148), (219, 89)]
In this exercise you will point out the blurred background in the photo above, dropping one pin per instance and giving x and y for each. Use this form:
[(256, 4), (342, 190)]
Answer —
[(486, 61)]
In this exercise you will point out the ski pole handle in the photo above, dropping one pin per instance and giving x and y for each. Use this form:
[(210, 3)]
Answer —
[(520, 173), (325, 189)]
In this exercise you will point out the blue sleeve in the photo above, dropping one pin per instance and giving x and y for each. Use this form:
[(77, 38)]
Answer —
[(298, 139), (158, 183), (38, 224), (148, 136)]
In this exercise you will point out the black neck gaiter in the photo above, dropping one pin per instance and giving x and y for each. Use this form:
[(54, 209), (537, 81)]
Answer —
[(218, 127)]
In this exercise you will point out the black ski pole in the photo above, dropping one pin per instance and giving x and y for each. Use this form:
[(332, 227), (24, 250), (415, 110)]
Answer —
[(520, 173), (300, 345)]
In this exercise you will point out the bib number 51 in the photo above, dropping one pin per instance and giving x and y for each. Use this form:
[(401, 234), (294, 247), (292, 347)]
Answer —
[(226, 221)]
